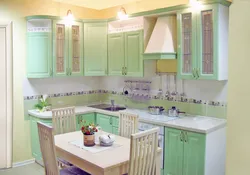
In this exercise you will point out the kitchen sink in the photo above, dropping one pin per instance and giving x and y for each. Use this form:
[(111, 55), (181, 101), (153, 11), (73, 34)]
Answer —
[(107, 107)]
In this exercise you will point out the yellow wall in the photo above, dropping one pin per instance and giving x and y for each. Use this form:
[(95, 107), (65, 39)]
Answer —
[(16, 10), (140, 6), (238, 135)]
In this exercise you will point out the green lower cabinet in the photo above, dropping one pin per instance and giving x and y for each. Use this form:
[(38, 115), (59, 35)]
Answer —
[(35, 143), (85, 119), (115, 130), (184, 152), (105, 122)]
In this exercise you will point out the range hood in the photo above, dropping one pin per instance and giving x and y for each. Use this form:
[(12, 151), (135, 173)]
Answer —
[(162, 43)]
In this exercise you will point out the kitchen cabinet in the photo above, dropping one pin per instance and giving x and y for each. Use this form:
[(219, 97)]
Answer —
[(108, 123), (84, 119), (67, 48), (95, 49), (203, 42), (184, 152), (35, 143), (125, 54), (39, 48)]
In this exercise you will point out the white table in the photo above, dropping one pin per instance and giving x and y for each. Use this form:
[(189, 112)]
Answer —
[(114, 161)]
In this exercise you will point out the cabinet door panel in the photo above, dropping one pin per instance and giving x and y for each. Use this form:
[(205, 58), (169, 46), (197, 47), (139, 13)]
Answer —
[(173, 152), (39, 61), (115, 130), (133, 53), (115, 53), (60, 48), (194, 154), (186, 44), (85, 119), (104, 121), (76, 49), (207, 42), (95, 49)]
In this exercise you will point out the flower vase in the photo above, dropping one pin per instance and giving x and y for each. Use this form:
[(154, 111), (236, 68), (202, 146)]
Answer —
[(89, 140)]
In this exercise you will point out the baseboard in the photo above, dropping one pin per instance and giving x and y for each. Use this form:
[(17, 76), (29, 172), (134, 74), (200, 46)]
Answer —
[(26, 162)]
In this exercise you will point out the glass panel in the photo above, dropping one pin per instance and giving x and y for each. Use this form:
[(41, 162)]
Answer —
[(187, 43), (207, 42), (75, 49), (60, 39)]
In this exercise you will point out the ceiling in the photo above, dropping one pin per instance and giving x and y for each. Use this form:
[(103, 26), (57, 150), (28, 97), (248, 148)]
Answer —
[(97, 4)]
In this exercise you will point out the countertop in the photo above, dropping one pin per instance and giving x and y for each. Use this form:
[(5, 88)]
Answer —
[(200, 124)]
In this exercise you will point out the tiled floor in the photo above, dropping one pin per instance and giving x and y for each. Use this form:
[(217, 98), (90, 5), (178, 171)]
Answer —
[(31, 169)]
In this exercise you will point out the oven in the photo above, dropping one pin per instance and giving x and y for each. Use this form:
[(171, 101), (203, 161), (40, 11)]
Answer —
[(145, 126)]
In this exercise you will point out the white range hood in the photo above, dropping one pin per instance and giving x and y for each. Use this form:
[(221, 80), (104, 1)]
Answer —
[(162, 43)]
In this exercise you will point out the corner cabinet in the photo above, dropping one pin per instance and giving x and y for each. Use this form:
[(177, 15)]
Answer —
[(191, 153), (67, 48), (39, 48), (125, 54), (203, 42), (108, 123), (84, 119), (95, 49)]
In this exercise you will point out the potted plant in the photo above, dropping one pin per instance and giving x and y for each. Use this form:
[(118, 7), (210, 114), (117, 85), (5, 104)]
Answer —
[(88, 131), (43, 104)]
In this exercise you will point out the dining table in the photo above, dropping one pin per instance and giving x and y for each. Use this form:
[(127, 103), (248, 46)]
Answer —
[(97, 160)]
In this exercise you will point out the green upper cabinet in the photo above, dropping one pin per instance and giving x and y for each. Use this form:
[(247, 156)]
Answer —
[(186, 43), (133, 53), (116, 54), (184, 152), (67, 48), (39, 48), (203, 42), (76, 49), (125, 54), (95, 49), (60, 48)]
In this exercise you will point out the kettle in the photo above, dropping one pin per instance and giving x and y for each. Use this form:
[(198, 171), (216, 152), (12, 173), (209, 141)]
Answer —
[(174, 112)]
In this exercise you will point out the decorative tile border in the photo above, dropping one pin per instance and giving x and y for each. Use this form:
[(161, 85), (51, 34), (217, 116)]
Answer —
[(135, 97)]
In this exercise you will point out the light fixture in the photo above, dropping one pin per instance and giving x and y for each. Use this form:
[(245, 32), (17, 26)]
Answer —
[(122, 14), (70, 15)]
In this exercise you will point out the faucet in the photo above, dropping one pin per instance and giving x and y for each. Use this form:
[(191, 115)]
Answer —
[(113, 103)]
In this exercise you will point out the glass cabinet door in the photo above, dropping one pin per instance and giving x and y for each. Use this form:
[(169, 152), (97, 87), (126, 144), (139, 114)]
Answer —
[(207, 58), (186, 44), (60, 48), (76, 49)]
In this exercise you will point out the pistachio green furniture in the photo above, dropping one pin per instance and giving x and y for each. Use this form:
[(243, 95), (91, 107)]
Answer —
[(108, 123), (95, 49), (203, 42), (67, 48), (84, 119), (125, 54), (184, 152)]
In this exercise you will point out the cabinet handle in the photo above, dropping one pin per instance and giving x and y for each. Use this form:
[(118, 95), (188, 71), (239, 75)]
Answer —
[(110, 120), (51, 72), (186, 137), (122, 70), (67, 71), (70, 71), (181, 136), (197, 73), (125, 70), (193, 72)]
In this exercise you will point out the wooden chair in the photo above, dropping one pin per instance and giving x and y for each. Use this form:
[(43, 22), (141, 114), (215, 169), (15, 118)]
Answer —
[(64, 120), (47, 145), (128, 124), (143, 153)]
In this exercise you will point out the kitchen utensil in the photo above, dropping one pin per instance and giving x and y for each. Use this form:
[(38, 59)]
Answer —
[(155, 110), (106, 140), (167, 86), (174, 112)]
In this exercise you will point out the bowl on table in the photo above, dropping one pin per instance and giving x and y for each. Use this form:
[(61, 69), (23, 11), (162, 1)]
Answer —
[(106, 140)]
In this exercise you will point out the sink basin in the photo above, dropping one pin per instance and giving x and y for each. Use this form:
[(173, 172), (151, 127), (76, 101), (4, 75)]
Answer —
[(114, 108), (107, 107)]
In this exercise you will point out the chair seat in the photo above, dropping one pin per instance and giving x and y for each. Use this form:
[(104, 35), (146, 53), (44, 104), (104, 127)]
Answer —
[(64, 162), (73, 171)]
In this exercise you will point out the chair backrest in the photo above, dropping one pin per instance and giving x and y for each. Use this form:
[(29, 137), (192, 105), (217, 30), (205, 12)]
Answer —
[(64, 120), (128, 124), (143, 152), (48, 149)]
